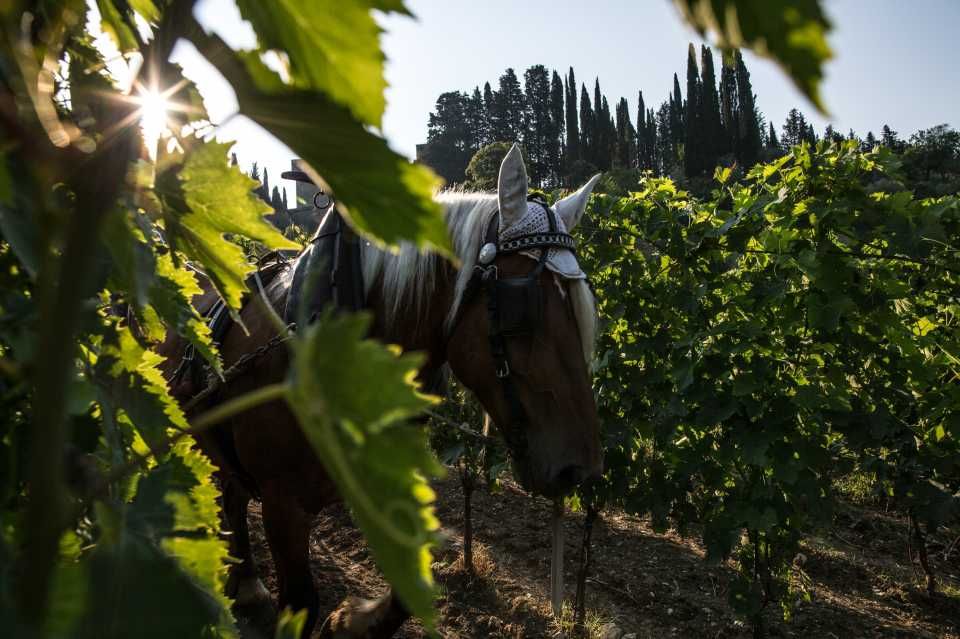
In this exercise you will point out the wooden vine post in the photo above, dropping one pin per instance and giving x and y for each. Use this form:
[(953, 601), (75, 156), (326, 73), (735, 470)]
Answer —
[(556, 558)]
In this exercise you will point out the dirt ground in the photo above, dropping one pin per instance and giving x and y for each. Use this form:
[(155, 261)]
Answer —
[(652, 585)]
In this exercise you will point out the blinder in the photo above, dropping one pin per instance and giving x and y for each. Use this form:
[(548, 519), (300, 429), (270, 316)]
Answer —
[(519, 304)]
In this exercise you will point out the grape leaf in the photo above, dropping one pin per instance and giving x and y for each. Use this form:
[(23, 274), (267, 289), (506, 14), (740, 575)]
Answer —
[(793, 34), (160, 291), (382, 194), (117, 26), (332, 47), (128, 377), (220, 200), (350, 414)]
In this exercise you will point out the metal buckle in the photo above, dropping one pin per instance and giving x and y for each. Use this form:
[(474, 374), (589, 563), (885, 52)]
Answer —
[(487, 272), (503, 369)]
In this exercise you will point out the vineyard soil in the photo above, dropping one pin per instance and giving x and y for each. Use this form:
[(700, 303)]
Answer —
[(861, 581)]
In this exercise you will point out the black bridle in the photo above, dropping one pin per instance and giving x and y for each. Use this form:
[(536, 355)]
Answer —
[(514, 307)]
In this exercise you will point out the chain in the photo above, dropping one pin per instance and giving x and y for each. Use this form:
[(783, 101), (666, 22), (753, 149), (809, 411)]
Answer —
[(238, 367)]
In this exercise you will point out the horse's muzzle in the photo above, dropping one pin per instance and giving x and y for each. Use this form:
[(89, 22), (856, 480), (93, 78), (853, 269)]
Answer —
[(567, 478)]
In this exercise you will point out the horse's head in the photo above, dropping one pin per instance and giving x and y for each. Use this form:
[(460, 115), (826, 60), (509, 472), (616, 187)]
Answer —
[(523, 336)]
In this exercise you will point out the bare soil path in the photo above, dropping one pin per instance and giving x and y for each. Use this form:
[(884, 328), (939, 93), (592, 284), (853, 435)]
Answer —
[(653, 585)]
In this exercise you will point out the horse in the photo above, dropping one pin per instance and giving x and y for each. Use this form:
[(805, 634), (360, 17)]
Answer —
[(533, 382)]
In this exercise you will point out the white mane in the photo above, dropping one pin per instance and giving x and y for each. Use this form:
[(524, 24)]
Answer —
[(409, 277)]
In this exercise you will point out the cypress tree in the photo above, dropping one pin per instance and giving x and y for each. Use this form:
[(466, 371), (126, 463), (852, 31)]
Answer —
[(555, 136), (573, 129), (748, 140), (729, 108), (677, 128), (536, 120), (276, 201), (586, 126), (599, 127), (693, 139), (653, 143), (265, 187), (607, 137), (489, 107), (626, 136), (711, 123), (643, 135), (666, 151), (772, 141)]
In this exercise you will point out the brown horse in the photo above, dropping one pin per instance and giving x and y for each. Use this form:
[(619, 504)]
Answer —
[(423, 303)]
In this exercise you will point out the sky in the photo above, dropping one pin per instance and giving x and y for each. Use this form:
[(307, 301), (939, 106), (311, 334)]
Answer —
[(895, 62)]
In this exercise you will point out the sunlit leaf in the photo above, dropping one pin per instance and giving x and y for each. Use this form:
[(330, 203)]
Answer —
[(160, 291), (382, 192), (129, 378), (352, 416), (117, 26), (333, 47), (220, 200)]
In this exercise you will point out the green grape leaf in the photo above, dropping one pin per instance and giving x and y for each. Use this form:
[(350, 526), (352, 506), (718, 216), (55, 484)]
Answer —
[(290, 624), (128, 377), (146, 8), (382, 193), (176, 507), (136, 585), (333, 47), (793, 34), (220, 201), (349, 394), (171, 297), (114, 24), (160, 291)]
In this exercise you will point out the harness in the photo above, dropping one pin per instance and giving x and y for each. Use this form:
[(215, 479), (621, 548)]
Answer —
[(329, 273), (514, 307)]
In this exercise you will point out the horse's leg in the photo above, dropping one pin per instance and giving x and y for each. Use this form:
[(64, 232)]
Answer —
[(288, 533), (365, 618), (243, 584)]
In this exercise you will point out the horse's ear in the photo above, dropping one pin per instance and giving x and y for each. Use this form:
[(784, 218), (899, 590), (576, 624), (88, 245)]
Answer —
[(512, 188), (571, 208)]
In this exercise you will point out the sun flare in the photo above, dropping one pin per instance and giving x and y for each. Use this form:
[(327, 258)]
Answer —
[(153, 117)]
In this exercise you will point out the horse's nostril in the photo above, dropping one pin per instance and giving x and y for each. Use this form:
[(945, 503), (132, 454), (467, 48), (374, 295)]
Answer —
[(569, 477)]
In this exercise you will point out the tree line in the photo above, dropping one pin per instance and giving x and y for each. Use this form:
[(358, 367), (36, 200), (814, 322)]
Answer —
[(569, 132)]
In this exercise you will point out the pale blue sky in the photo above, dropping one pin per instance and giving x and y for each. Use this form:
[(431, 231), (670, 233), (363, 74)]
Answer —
[(896, 61)]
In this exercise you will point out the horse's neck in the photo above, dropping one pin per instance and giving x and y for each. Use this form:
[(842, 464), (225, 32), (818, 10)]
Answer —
[(420, 329)]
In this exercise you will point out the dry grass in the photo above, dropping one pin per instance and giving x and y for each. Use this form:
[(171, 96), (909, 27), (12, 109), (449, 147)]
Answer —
[(483, 564)]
